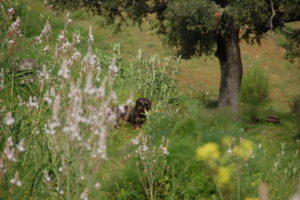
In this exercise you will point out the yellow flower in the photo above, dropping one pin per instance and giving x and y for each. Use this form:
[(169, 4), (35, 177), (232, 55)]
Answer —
[(248, 198), (223, 176), (208, 151), (244, 150), (226, 141)]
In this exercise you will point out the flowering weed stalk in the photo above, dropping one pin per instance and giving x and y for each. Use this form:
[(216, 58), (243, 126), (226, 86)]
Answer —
[(151, 165)]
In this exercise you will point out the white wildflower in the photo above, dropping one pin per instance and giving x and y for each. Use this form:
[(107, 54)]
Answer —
[(33, 102), (20, 146), (46, 176), (113, 69), (97, 185), (135, 141), (60, 169), (11, 11), (16, 180), (1, 79), (90, 37), (64, 71), (145, 147), (8, 119), (84, 195), (165, 150)]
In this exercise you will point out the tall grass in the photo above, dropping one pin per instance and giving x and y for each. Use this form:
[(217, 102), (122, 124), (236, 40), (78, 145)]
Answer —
[(56, 132), (255, 92)]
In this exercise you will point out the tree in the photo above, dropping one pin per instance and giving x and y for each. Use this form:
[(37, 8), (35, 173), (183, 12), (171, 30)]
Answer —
[(202, 27)]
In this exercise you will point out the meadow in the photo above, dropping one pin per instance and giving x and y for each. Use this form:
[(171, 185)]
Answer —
[(60, 73)]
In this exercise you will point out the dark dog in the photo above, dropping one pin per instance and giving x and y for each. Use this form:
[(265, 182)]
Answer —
[(135, 115)]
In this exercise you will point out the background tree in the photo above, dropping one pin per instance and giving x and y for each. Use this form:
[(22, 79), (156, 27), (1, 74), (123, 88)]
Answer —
[(197, 27)]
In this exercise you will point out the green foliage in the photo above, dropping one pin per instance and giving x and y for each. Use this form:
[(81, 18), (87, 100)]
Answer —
[(180, 120), (194, 26), (151, 77), (292, 45), (191, 26), (254, 94), (295, 110), (255, 88)]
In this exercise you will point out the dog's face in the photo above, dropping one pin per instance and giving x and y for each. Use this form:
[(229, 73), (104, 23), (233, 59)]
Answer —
[(143, 104)]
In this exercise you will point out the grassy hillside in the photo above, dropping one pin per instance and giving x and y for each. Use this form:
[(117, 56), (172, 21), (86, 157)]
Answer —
[(57, 134), (200, 73)]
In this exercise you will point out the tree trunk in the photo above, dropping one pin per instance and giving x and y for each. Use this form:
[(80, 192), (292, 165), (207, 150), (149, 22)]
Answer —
[(229, 55)]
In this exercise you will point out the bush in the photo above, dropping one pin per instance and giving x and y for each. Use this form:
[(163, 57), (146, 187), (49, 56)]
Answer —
[(255, 88), (254, 93)]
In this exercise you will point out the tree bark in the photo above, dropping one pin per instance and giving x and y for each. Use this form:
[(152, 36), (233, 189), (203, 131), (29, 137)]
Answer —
[(229, 55)]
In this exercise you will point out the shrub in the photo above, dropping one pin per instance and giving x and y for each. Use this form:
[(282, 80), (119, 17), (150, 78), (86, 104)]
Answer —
[(254, 93), (255, 88)]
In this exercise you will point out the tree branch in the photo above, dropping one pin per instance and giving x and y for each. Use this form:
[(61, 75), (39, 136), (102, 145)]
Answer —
[(273, 14)]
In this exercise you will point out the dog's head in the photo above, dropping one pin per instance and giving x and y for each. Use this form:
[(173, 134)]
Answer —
[(143, 104)]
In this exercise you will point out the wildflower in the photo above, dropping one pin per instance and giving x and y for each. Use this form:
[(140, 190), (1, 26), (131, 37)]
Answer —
[(46, 32), (44, 74), (11, 43), (113, 69), (3, 109), (1, 79), (68, 20), (208, 151), (16, 180), (9, 151), (244, 150), (145, 147), (229, 151), (14, 28), (165, 150), (9, 120), (76, 38), (49, 95), (46, 176), (97, 185), (20, 146), (46, 48), (10, 141), (223, 176), (62, 35), (60, 169), (135, 141), (84, 195), (21, 102), (64, 71), (33, 102), (90, 37), (11, 11)]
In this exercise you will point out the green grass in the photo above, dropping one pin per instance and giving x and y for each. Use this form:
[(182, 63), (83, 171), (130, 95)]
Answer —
[(182, 112)]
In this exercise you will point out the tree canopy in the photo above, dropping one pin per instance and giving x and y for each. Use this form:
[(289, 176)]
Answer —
[(192, 26)]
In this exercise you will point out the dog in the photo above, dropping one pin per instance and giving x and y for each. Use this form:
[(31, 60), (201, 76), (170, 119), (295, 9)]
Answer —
[(135, 115)]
